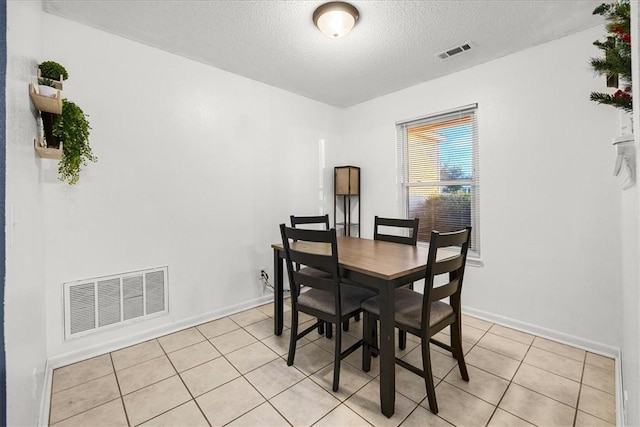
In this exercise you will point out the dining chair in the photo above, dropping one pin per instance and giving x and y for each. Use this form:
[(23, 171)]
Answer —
[(328, 299), (424, 315), (404, 227), (304, 221)]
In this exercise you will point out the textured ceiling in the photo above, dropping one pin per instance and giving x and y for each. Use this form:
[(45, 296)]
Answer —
[(393, 46)]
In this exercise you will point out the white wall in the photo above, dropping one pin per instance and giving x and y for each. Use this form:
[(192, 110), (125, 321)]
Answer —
[(25, 328), (197, 167), (550, 208)]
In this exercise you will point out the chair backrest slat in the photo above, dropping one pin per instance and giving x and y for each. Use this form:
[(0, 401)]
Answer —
[(406, 224), (456, 238), (306, 220), (324, 284), (443, 291), (448, 265), (318, 261), (308, 235)]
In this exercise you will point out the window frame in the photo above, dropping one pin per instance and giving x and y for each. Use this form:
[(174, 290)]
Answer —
[(403, 184)]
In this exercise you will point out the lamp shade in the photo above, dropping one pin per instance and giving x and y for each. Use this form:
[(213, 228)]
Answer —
[(335, 19)]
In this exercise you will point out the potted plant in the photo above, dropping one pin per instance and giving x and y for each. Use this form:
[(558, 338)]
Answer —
[(51, 77), (47, 87), (72, 128)]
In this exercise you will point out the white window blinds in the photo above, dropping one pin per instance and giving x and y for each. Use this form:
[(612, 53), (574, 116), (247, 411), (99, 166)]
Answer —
[(438, 177)]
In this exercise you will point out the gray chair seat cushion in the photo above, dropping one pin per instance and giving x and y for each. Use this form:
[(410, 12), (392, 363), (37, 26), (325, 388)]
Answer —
[(352, 297), (408, 308)]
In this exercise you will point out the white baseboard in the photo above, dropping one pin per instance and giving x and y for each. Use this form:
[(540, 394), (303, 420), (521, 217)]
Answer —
[(107, 347), (621, 419), (561, 337), (46, 396)]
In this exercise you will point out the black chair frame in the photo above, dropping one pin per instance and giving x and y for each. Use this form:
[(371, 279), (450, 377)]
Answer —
[(310, 220), (453, 266), (326, 261), (412, 226)]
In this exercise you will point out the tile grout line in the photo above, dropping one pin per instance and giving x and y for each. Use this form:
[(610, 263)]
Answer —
[(539, 393), (599, 386), (258, 367), (90, 408), (306, 376), (165, 354), (419, 346), (282, 391), (507, 389), (115, 374), (87, 410), (451, 370), (465, 362), (575, 416), (551, 398), (80, 383), (521, 362), (69, 388), (243, 375), (221, 355), (529, 364), (580, 394), (309, 376), (183, 383), (341, 404)]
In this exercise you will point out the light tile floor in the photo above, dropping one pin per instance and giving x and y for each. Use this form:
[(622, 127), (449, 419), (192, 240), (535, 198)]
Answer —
[(233, 371)]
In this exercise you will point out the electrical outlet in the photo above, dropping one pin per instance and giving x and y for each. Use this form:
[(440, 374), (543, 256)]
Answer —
[(262, 273)]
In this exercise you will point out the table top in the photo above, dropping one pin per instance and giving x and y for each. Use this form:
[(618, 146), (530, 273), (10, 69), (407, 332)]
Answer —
[(385, 260)]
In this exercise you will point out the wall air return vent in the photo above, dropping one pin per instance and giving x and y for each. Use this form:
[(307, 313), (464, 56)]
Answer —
[(94, 305), (454, 51)]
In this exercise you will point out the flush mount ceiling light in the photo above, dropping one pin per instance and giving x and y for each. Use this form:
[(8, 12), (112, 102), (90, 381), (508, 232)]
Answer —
[(335, 19)]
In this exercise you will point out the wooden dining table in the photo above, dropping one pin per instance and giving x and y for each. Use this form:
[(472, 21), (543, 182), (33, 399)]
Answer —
[(378, 265)]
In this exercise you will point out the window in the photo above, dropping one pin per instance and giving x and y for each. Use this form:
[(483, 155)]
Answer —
[(438, 172)]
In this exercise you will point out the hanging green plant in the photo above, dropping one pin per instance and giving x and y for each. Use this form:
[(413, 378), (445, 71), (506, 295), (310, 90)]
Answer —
[(617, 54), (72, 128)]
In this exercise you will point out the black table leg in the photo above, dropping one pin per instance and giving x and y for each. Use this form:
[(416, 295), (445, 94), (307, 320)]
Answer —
[(277, 293), (387, 351)]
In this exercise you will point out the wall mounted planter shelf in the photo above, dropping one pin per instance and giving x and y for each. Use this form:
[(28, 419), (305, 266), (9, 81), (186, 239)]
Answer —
[(45, 152), (45, 103)]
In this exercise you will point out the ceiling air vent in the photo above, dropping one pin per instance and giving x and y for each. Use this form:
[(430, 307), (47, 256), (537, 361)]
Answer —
[(454, 51)]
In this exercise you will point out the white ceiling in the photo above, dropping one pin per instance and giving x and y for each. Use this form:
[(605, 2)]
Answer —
[(393, 46)]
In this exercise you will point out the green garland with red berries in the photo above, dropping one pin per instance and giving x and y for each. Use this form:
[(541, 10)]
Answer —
[(616, 63)]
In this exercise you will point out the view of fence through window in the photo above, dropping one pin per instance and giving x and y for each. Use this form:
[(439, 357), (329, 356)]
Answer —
[(440, 167)]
